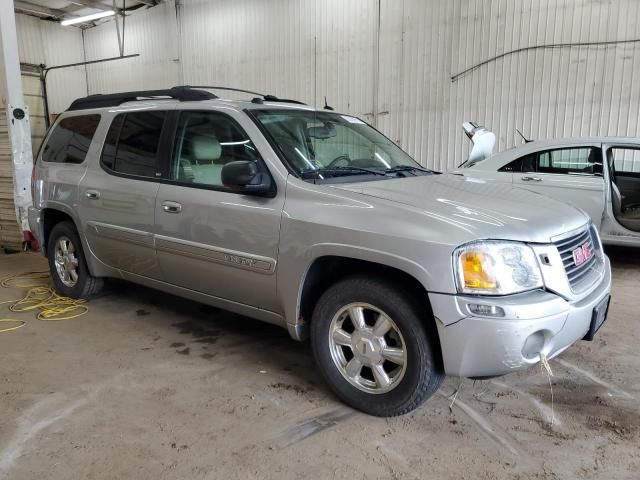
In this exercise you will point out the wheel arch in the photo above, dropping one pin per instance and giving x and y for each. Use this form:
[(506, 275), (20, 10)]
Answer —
[(52, 216), (325, 270)]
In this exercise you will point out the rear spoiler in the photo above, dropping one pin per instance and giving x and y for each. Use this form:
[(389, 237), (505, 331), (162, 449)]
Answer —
[(483, 142)]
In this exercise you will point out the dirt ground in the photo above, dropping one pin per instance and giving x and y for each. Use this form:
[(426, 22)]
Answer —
[(149, 386)]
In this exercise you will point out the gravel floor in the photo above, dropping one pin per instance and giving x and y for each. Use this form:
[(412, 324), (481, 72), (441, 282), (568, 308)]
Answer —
[(150, 386)]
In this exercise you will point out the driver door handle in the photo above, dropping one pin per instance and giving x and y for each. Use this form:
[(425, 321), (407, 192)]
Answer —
[(171, 207), (531, 179), (92, 194)]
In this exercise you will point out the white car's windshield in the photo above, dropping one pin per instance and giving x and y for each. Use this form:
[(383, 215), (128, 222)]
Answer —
[(324, 145)]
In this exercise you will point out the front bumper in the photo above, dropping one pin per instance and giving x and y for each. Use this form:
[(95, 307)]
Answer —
[(534, 322)]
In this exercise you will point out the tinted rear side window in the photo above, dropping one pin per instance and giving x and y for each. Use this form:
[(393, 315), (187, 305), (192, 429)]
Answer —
[(515, 166), (70, 139), (522, 164), (131, 145), (111, 142)]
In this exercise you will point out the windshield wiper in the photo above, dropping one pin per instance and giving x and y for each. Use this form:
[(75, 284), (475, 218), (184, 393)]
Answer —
[(339, 171), (407, 168)]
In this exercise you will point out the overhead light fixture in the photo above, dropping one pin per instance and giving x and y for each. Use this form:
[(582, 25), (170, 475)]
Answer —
[(87, 18)]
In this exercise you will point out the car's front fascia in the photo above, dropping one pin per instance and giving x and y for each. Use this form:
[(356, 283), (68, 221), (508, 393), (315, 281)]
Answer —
[(491, 335)]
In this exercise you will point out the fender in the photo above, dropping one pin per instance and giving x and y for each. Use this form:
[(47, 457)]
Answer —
[(292, 305), (371, 255)]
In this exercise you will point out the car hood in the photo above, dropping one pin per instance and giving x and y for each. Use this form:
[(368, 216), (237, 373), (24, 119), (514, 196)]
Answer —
[(478, 208)]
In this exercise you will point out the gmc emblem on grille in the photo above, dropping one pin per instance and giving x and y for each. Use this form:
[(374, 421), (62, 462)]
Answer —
[(581, 254)]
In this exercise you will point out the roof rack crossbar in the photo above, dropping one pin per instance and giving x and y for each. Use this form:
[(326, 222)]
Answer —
[(273, 98), (263, 96), (182, 94), (225, 88)]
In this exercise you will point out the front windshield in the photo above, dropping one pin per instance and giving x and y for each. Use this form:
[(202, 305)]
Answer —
[(323, 144)]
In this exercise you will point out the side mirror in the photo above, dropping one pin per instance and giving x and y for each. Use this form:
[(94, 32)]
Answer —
[(244, 175), (483, 142)]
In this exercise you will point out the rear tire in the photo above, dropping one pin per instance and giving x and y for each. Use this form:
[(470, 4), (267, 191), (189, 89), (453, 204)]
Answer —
[(67, 263), (374, 346)]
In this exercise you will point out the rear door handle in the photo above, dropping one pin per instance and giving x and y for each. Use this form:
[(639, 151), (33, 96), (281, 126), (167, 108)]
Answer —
[(92, 194), (531, 179), (171, 207)]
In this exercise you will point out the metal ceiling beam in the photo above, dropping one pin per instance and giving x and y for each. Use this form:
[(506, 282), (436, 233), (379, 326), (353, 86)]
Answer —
[(91, 4), (102, 6), (30, 8), (22, 6)]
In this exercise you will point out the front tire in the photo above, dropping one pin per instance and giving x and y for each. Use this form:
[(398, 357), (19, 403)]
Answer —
[(67, 263), (374, 347)]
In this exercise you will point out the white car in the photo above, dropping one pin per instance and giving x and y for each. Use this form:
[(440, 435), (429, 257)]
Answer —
[(600, 175)]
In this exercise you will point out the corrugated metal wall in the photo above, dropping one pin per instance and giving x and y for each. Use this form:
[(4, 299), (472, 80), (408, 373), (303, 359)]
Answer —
[(151, 33), (549, 92), (392, 62), (51, 44), (544, 92)]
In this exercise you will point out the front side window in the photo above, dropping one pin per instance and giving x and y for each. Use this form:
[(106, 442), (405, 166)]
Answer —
[(321, 145), (204, 143), (570, 160), (561, 161), (131, 145), (70, 139)]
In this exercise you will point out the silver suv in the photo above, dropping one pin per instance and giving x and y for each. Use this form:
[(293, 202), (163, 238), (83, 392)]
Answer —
[(316, 222)]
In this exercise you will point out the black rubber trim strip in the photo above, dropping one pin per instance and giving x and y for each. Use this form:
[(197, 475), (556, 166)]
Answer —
[(183, 94)]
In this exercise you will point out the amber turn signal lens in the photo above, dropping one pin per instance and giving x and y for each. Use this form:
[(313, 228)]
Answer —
[(477, 270)]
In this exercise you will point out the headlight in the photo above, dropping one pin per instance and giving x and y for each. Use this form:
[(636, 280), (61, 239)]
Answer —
[(496, 268)]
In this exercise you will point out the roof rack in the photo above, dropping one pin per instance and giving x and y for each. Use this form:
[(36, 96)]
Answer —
[(183, 94), (264, 97), (273, 98)]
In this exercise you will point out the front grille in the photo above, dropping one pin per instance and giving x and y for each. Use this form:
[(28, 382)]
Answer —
[(581, 276)]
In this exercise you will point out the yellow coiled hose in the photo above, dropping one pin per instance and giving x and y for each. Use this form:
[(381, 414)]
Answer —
[(39, 296)]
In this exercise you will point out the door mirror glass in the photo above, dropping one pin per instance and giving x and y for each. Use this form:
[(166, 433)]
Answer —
[(245, 175)]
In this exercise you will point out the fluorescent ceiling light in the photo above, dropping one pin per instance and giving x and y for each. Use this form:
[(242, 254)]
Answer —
[(88, 18)]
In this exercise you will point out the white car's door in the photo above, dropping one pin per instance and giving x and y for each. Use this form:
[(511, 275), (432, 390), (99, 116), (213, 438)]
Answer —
[(621, 223), (571, 174)]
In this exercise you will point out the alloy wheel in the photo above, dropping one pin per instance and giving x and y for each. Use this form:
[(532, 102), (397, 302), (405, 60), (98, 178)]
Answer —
[(367, 347), (66, 261)]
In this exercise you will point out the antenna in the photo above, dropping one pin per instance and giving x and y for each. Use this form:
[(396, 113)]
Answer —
[(326, 105), (526, 140)]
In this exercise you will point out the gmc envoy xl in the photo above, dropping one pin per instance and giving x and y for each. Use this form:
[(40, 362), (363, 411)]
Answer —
[(316, 222)]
